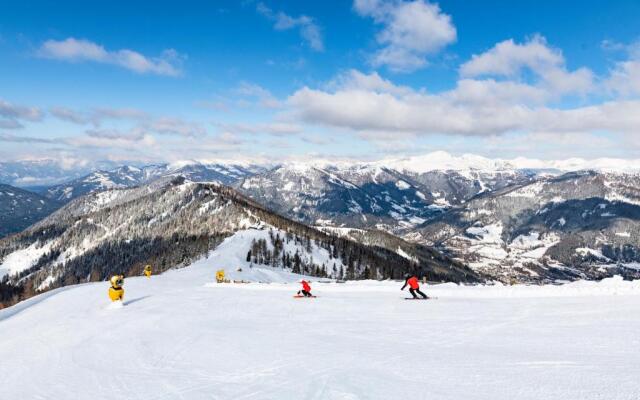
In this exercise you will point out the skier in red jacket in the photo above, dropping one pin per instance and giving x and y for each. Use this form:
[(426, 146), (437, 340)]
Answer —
[(306, 289), (414, 286)]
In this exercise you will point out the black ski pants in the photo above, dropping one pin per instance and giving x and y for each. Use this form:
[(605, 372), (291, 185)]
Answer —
[(414, 291)]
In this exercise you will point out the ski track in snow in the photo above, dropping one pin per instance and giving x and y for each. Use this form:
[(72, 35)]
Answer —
[(178, 336)]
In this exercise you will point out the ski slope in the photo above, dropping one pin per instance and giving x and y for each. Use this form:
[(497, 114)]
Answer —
[(180, 336)]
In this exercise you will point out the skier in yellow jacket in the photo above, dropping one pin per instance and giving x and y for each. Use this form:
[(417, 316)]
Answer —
[(116, 292)]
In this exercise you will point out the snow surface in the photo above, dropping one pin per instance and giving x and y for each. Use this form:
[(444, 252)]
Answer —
[(180, 336)]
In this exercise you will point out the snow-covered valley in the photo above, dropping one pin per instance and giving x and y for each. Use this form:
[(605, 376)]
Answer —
[(181, 336)]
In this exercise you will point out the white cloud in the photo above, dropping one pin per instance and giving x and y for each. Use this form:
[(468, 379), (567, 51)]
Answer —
[(5, 137), (510, 60), (97, 116), (134, 134), (473, 108), (264, 97), (356, 80), (624, 78), (120, 113), (78, 50), (12, 115), (272, 128), (175, 126), (411, 31), (144, 122), (69, 115), (127, 140), (309, 30)]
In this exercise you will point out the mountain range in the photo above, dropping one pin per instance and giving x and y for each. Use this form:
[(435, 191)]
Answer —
[(463, 218), (577, 225)]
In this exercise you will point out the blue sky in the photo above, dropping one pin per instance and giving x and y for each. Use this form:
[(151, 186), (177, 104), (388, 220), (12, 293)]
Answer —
[(362, 79)]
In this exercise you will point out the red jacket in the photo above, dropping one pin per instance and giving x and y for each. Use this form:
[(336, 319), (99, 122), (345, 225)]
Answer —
[(413, 283), (305, 286)]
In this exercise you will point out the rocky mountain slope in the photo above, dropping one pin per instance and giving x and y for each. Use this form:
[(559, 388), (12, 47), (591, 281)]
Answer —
[(20, 208), (130, 176), (368, 196), (583, 224), (172, 222)]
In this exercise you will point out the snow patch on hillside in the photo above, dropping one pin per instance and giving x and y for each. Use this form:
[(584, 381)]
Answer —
[(23, 259), (231, 255), (402, 185)]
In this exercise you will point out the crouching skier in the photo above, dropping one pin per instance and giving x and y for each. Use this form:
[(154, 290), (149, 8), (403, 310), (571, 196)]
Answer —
[(414, 286), (306, 289)]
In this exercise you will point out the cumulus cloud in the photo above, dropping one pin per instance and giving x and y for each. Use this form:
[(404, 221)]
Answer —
[(624, 78), (306, 25), (12, 115), (509, 59), (80, 50), (472, 109), (411, 31)]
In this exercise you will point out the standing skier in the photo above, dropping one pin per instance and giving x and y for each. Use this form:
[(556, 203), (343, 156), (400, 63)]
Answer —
[(414, 286), (306, 289)]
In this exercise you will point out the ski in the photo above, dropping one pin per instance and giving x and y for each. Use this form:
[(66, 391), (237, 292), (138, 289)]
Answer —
[(428, 298), (303, 297)]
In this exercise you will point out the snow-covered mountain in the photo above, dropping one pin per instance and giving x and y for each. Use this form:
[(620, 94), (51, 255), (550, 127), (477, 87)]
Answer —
[(505, 217), (583, 224), (172, 222), (20, 208), (443, 161), (130, 176), (46, 172), (369, 196), (121, 177)]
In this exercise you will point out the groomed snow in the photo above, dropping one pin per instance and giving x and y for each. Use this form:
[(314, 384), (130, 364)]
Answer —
[(179, 336)]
